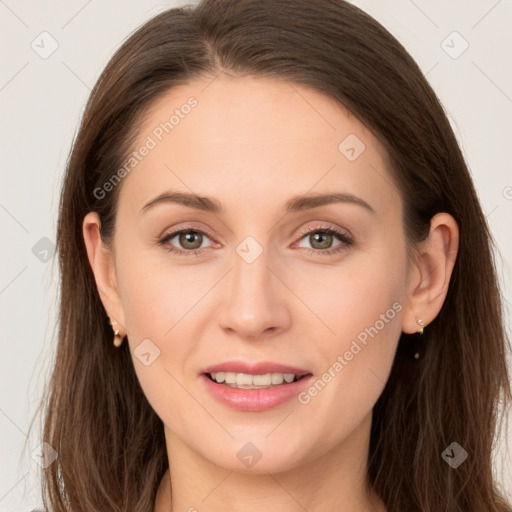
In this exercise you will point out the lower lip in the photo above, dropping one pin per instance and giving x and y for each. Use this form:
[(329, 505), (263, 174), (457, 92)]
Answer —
[(255, 400)]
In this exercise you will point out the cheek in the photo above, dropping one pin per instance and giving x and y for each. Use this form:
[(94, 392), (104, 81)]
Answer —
[(158, 302), (155, 293), (162, 304), (365, 322), (357, 294), (363, 308)]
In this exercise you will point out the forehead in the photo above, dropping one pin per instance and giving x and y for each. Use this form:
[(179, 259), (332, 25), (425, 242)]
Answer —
[(252, 140)]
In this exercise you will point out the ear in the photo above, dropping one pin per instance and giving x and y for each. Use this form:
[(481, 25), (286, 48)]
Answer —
[(101, 260), (430, 273)]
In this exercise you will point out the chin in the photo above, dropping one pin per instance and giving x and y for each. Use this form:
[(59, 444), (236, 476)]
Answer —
[(256, 455)]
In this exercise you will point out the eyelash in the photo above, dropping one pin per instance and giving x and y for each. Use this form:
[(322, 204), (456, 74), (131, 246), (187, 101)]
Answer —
[(346, 240)]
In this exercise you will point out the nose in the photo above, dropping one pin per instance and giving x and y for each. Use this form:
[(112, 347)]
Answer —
[(255, 305)]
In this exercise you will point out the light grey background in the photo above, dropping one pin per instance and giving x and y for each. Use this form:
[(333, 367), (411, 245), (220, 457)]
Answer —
[(41, 103)]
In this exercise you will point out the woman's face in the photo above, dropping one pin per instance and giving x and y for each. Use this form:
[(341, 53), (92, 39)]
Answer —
[(254, 281)]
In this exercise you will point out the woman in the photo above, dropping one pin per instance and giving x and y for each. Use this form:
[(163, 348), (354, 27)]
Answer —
[(271, 294)]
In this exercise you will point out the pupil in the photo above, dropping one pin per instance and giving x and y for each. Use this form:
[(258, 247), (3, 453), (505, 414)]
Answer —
[(326, 236), (187, 238)]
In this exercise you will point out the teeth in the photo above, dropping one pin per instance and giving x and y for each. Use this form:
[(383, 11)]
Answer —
[(246, 381), (230, 377), (277, 378)]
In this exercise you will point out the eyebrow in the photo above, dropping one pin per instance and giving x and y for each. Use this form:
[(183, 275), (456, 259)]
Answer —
[(295, 204)]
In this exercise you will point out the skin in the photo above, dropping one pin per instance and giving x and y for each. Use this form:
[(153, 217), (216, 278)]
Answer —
[(253, 143)]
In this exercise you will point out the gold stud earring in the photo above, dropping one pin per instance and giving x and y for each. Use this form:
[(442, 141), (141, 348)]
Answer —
[(118, 339), (421, 324)]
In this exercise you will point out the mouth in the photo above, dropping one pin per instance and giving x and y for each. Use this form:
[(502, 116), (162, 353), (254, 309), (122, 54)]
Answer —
[(251, 386), (250, 381), (254, 391)]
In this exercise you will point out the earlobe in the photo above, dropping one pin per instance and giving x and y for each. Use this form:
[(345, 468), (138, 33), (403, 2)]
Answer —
[(102, 265), (428, 283)]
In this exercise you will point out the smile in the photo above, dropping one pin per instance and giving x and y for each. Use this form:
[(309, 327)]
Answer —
[(248, 381)]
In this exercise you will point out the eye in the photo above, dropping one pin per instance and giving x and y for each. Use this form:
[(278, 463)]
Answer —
[(191, 239), (322, 237)]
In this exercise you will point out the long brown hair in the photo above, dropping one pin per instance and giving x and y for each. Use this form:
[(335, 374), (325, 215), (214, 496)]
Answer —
[(110, 442)]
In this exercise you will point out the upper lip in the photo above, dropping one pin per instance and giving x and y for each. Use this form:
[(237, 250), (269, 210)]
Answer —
[(260, 368)]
